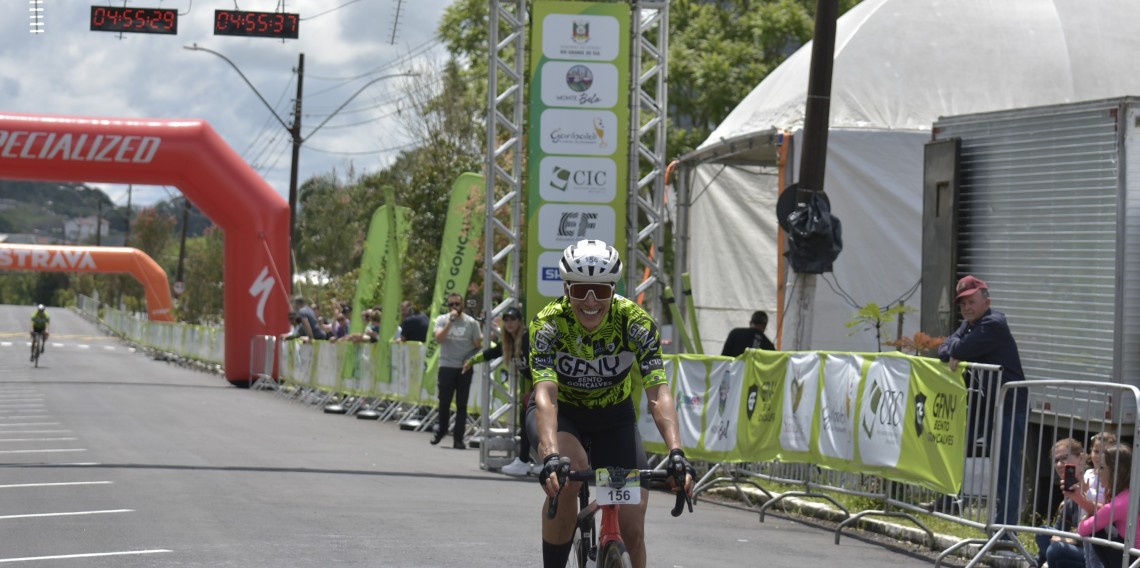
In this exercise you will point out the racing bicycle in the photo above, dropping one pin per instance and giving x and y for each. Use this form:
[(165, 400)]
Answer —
[(37, 346), (615, 487)]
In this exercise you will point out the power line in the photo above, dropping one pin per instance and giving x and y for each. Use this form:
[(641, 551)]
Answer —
[(364, 153)]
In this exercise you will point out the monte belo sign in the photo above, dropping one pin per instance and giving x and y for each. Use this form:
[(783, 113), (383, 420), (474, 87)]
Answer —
[(257, 24), (134, 20)]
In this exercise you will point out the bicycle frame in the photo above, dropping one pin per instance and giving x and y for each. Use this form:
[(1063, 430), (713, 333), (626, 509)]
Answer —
[(591, 549), (610, 530)]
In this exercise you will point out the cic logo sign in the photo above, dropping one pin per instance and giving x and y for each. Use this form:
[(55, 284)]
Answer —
[(580, 180)]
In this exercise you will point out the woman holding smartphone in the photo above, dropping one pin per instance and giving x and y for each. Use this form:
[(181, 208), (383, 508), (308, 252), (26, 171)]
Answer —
[(1064, 552)]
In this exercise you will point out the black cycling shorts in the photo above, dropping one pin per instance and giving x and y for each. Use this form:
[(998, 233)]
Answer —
[(609, 435)]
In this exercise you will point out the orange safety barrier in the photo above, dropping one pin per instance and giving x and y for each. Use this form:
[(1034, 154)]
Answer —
[(43, 258), (190, 155)]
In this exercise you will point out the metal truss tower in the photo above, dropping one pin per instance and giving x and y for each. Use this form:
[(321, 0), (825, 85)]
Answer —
[(647, 161), (504, 172)]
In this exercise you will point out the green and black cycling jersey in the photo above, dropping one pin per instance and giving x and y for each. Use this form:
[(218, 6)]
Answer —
[(40, 321), (595, 369)]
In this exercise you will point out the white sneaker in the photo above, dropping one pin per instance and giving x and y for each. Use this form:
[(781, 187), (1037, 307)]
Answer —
[(517, 468)]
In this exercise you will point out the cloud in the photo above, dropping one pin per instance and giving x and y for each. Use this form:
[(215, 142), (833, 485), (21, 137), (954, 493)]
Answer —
[(71, 70)]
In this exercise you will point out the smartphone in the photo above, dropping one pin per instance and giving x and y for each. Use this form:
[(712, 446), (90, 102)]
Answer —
[(1070, 477)]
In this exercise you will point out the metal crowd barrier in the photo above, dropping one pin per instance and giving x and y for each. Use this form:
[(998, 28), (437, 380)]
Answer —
[(1052, 411), (1048, 411)]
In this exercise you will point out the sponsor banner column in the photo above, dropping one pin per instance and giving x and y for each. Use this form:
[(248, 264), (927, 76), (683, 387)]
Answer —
[(579, 142)]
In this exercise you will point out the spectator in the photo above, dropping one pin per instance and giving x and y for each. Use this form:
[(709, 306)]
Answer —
[(371, 328), (1063, 552), (1094, 488), (372, 331), (458, 335), (751, 337), (1116, 471), (340, 327), (309, 326), (415, 324), (515, 350), (984, 337)]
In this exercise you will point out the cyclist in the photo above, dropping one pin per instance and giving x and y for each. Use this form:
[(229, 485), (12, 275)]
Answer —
[(583, 351), (40, 321)]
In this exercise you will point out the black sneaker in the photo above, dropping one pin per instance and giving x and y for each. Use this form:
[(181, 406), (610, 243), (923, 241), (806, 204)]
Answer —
[(459, 446), (437, 438)]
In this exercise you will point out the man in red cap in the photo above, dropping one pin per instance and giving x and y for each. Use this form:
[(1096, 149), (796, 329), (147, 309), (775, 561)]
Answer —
[(984, 337)]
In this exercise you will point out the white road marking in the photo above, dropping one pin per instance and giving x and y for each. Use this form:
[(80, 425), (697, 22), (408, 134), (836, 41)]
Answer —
[(55, 484), (68, 514), (25, 417), (31, 423), (38, 432), (88, 555), (52, 451), (38, 439), (84, 346)]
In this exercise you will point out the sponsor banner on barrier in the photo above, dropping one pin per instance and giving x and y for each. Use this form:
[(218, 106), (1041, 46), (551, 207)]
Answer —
[(898, 416), (838, 402)]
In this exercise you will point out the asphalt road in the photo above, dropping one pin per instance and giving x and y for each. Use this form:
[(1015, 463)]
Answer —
[(110, 458)]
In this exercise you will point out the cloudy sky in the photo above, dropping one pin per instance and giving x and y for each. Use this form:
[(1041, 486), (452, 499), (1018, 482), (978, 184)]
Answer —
[(70, 70)]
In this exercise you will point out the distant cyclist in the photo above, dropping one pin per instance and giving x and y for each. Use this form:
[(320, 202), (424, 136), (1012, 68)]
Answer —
[(584, 349), (40, 321)]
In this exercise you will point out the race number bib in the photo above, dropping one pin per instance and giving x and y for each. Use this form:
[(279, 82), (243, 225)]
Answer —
[(610, 493)]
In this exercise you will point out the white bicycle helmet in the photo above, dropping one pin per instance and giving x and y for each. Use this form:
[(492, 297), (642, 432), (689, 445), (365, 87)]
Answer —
[(590, 261), (40, 307)]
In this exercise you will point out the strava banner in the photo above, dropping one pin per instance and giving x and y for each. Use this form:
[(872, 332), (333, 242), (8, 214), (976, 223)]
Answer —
[(457, 254), (579, 136), (894, 415), (60, 258)]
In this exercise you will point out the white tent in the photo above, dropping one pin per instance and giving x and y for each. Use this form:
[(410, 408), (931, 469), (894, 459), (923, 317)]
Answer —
[(899, 65)]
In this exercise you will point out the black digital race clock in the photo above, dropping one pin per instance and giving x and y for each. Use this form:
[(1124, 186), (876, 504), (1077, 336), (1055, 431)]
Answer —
[(134, 20), (257, 24)]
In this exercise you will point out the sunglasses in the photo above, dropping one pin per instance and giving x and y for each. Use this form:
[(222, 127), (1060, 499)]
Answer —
[(580, 290), (510, 318), (455, 304)]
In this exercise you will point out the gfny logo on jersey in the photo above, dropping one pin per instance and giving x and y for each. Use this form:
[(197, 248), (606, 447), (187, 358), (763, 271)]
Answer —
[(261, 288), (46, 259), (600, 372)]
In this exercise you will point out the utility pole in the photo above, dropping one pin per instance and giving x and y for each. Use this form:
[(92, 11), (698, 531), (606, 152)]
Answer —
[(99, 225), (295, 132), (817, 113), (127, 237), (179, 283)]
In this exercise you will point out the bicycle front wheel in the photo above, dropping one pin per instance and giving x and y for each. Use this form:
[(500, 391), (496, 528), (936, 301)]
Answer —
[(614, 555)]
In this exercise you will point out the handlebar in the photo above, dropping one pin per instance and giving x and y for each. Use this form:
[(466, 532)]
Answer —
[(565, 474)]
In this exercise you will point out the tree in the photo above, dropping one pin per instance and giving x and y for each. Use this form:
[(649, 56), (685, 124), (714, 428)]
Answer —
[(205, 270), (720, 51), (332, 227)]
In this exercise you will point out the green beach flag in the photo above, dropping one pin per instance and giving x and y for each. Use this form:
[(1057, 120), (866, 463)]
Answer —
[(375, 261), (461, 238), (393, 288)]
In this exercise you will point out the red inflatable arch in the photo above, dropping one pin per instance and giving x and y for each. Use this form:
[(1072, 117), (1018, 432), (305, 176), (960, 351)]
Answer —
[(96, 259), (190, 155)]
